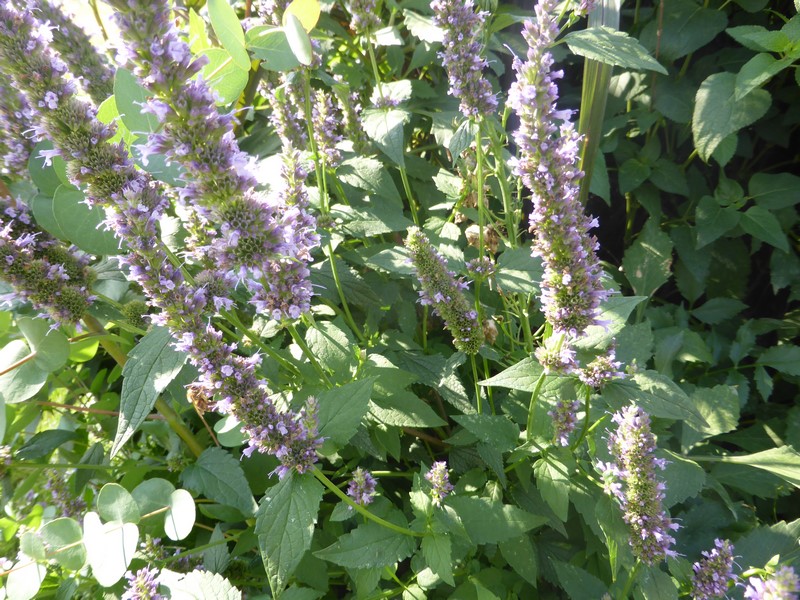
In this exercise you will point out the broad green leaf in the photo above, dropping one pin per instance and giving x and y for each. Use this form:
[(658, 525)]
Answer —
[(404, 409), (47, 175), (440, 374), (42, 208), (285, 525), (612, 47), (229, 31), (229, 432), (718, 113), (24, 381), (687, 26), (198, 36), (436, 549), (24, 579), (757, 71), (552, 481), (63, 540), (463, 137), (369, 546), (784, 462), (518, 272), (342, 408), (270, 45), (129, 96), (685, 479), (108, 113), (763, 225), (714, 220), (657, 395), (394, 259), (219, 476), (614, 313), (785, 358), (760, 544), (333, 345), (759, 38), (577, 582), (151, 366), (306, 11), (298, 39), (115, 503), (109, 547), (719, 406), (43, 443), (367, 221), (647, 261), (179, 519), (198, 585), (83, 225), (522, 556), (655, 584), (369, 174), (522, 376), (152, 495), (51, 346), (224, 75), (497, 431), (216, 558), (632, 173), (83, 350), (422, 27), (489, 522), (774, 191), (385, 128), (717, 310)]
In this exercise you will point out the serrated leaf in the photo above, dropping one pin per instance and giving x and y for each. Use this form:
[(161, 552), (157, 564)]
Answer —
[(226, 25), (332, 345), (495, 430), (763, 225), (488, 522), (713, 220), (437, 552), (783, 462), (612, 47), (367, 221), (404, 409), (552, 481), (216, 558), (647, 261), (614, 313), (152, 365), (109, 547), (341, 410), (385, 128), (369, 174), (718, 113), (518, 272), (717, 310), (369, 546), (719, 406), (522, 557), (219, 476), (522, 376), (115, 503), (577, 582), (179, 519), (686, 479), (198, 585), (784, 358), (62, 539), (285, 526), (422, 27), (757, 71)]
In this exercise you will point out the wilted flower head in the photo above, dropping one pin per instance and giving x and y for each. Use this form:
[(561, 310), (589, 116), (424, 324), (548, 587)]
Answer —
[(632, 479), (440, 482), (362, 487), (143, 585), (783, 585), (713, 573)]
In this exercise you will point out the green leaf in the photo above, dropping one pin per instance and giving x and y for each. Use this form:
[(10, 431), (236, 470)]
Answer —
[(151, 367), (83, 225), (298, 39), (219, 476), (22, 382), (306, 11), (108, 113), (612, 47), (717, 310), (285, 525), (270, 45), (718, 113), (47, 177), (24, 579), (614, 313), (632, 173), (658, 396), (647, 261), (198, 585), (179, 519), (577, 582), (385, 128), (152, 495), (784, 462), (719, 406), (759, 38), (422, 27), (713, 220), (437, 552), (216, 558), (333, 345), (43, 443), (785, 358), (129, 97), (685, 27), (224, 75), (404, 409), (226, 25), (774, 191), (51, 346), (394, 259), (495, 430), (657, 585), (463, 137), (198, 36), (763, 225), (62, 539), (367, 221), (518, 272), (342, 408), (552, 480), (686, 479), (369, 174), (757, 71), (370, 546), (522, 556), (522, 376), (115, 503), (109, 547), (489, 522)]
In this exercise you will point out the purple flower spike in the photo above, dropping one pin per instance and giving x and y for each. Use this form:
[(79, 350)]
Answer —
[(714, 572), (15, 144), (362, 487), (548, 159), (364, 16), (783, 585), (632, 480), (440, 482), (143, 585), (462, 56)]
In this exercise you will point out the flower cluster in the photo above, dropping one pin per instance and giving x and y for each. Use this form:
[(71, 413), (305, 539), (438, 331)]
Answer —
[(349, 105), (557, 356), (15, 145), (713, 573), (272, 10), (603, 369), (443, 291), (571, 287), (632, 480), (66, 503), (462, 55), (325, 121), (784, 584), (287, 115), (440, 482), (362, 487), (143, 585), (54, 278), (364, 16), (134, 206), (75, 47), (564, 415)]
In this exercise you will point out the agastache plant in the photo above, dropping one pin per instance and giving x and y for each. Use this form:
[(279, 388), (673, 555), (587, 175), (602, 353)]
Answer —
[(16, 142), (134, 206), (441, 289), (462, 55), (439, 479), (631, 478), (362, 487), (714, 573), (784, 584), (548, 157)]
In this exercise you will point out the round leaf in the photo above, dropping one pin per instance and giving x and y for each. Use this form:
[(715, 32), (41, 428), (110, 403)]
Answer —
[(83, 225), (305, 11), (47, 177), (223, 75), (109, 547), (298, 39), (229, 432), (25, 579), (180, 516), (51, 347), (152, 495), (115, 503), (229, 31), (61, 537), (24, 381), (270, 45)]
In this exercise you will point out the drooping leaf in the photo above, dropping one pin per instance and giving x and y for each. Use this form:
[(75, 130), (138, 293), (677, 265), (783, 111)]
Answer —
[(647, 261), (785, 358), (219, 476), (437, 551), (369, 546), (522, 376), (763, 225), (783, 462), (198, 585)]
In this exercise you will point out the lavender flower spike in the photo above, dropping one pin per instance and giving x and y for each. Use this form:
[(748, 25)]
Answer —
[(362, 487), (441, 290), (632, 479), (462, 55), (783, 585), (143, 585), (714, 572), (15, 145), (364, 16), (548, 158), (440, 482)]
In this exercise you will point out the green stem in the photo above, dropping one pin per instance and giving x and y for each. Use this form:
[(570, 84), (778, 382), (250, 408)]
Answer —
[(478, 401), (534, 398), (233, 318), (631, 579), (360, 509), (347, 314)]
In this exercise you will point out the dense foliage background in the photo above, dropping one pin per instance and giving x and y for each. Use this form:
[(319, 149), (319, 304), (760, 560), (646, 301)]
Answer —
[(323, 361)]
